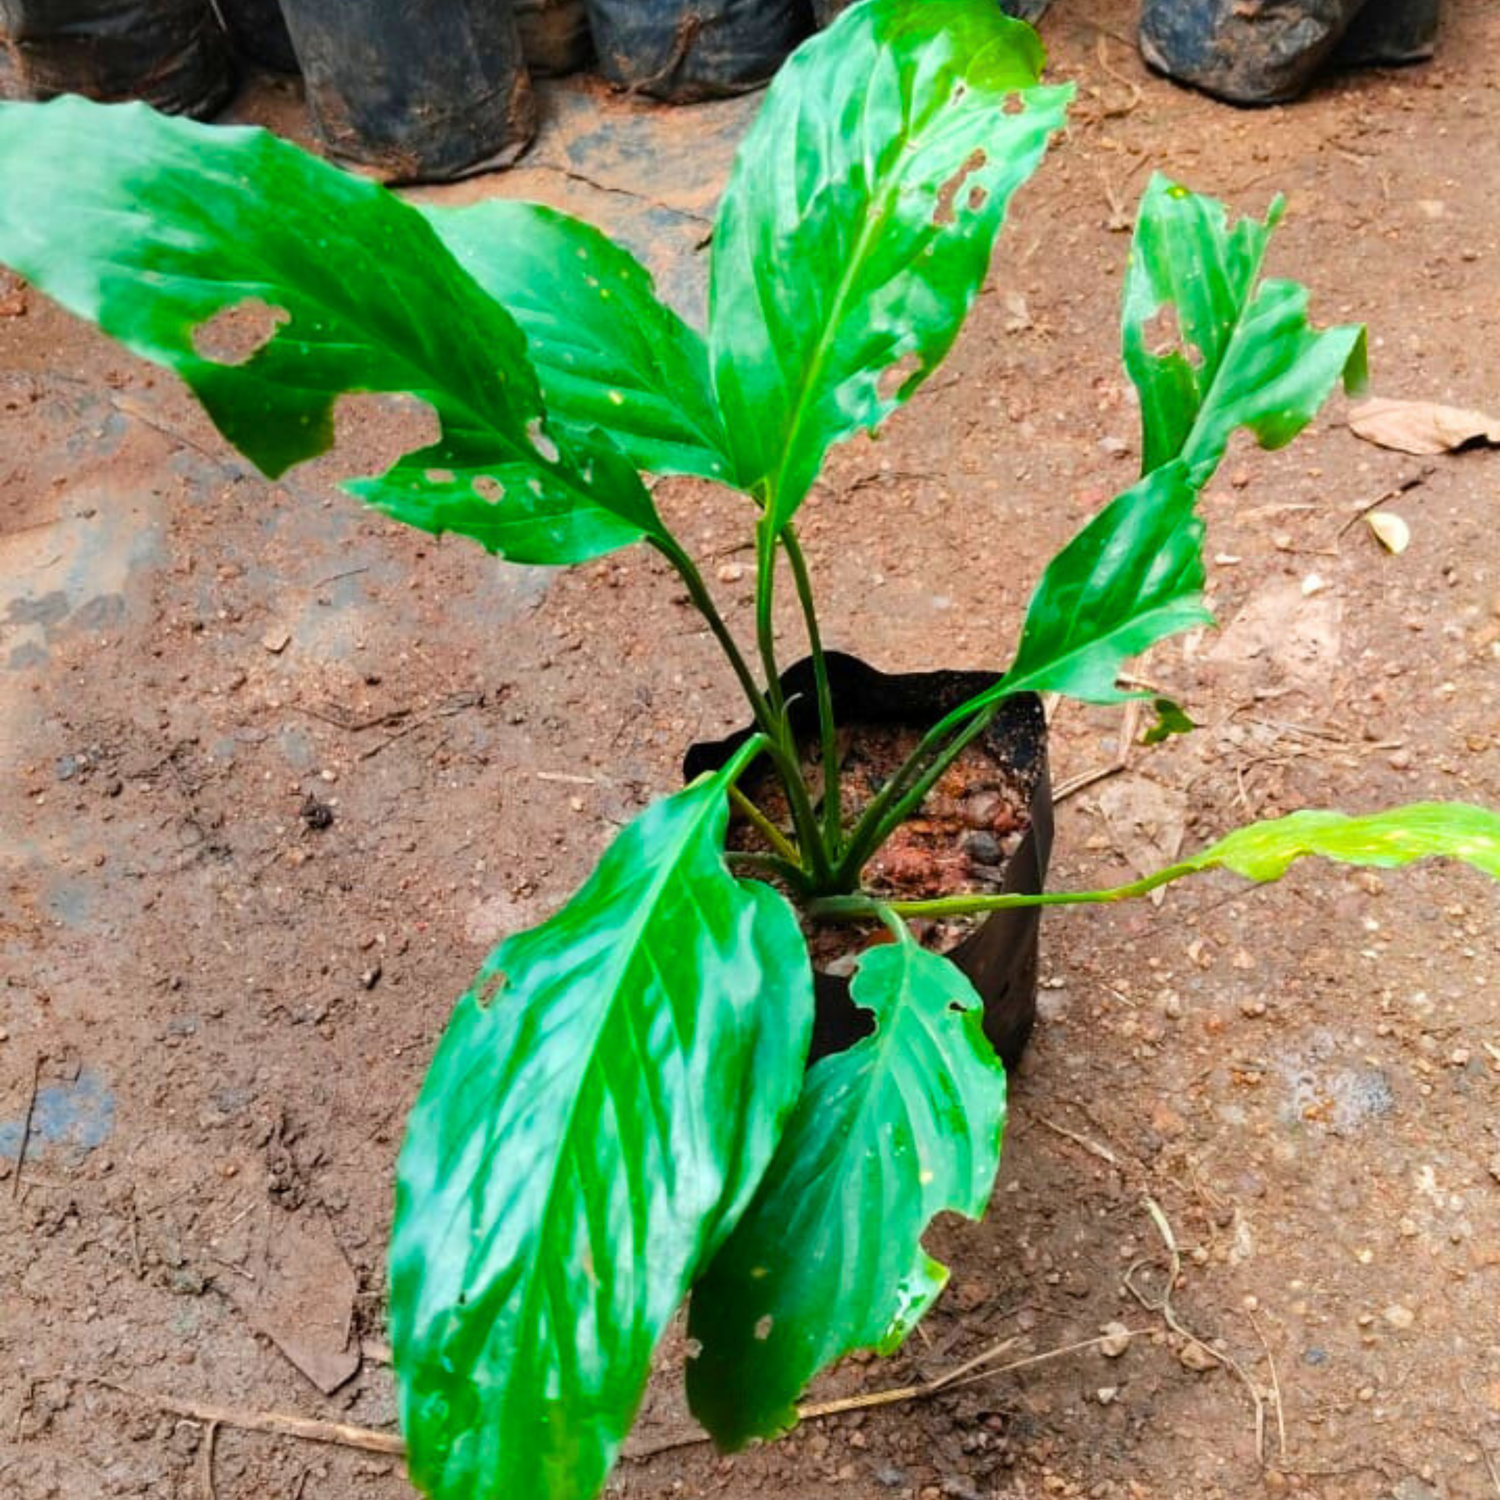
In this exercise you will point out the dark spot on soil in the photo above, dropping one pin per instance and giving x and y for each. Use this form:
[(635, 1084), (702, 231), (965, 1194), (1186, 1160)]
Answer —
[(317, 815)]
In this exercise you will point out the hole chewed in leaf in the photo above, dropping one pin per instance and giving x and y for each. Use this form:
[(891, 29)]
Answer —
[(489, 988), (235, 335), (1015, 104), (489, 489), (763, 1327), (537, 436), (382, 428), (942, 214), (1162, 334), (978, 197), (439, 476), (895, 377)]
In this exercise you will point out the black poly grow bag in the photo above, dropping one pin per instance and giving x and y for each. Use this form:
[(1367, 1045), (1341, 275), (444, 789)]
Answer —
[(1260, 53), (555, 37), (171, 53), (681, 50), (258, 30), (1000, 955), (418, 90)]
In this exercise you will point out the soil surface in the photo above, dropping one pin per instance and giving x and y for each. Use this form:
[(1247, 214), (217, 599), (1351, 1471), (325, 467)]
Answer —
[(275, 774)]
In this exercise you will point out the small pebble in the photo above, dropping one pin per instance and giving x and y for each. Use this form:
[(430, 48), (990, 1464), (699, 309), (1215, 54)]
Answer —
[(1116, 1340), (1252, 1007), (1400, 1317), (730, 572), (1108, 1394), (1196, 1357)]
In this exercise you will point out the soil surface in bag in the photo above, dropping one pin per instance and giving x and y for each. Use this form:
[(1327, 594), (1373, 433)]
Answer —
[(258, 30), (1265, 54), (419, 90), (682, 50), (983, 829), (555, 36), (171, 53)]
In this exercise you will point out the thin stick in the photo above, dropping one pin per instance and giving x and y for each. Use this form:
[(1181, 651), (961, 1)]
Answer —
[(1276, 1405), (1092, 1147), (206, 1462), (276, 1423), (1129, 723), (36, 1078), (1163, 1305), (1400, 488)]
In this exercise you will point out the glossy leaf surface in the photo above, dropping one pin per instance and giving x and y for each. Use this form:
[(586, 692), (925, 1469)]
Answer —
[(609, 354), (1131, 577), (153, 226), (828, 1259), (1421, 830), (1242, 353), (859, 220), (600, 1110)]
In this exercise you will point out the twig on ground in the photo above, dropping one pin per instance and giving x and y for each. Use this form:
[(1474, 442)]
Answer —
[(1130, 722), (206, 1462), (1163, 1306), (1400, 488), (26, 1119), (276, 1423), (1092, 1147), (1276, 1404)]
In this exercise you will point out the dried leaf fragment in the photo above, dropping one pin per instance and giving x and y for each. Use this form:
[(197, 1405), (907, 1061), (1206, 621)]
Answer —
[(1390, 530), (1422, 427)]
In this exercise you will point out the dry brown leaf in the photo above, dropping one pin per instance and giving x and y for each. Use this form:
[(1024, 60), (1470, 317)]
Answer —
[(1422, 426)]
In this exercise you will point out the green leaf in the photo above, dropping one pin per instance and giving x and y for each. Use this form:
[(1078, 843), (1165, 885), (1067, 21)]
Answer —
[(828, 1258), (598, 1114), (1421, 830), (152, 226), (1170, 720), (1131, 577), (858, 223), (1254, 360), (609, 354)]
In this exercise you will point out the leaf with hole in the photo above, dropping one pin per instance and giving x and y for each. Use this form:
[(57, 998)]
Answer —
[(828, 1258), (152, 227), (609, 354), (598, 1114), (859, 220), (1239, 352)]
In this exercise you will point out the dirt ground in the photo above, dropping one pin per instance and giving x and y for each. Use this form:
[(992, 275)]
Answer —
[(274, 774)]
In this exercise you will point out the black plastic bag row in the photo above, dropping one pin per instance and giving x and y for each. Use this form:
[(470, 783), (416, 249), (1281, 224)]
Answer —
[(171, 53), (1267, 51), (695, 49)]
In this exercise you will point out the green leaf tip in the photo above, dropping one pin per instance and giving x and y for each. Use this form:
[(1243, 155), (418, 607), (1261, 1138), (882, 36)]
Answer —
[(905, 1124), (1236, 351), (153, 227), (599, 1112), (1397, 836), (859, 221)]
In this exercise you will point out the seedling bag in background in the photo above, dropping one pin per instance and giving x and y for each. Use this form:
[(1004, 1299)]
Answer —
[(1262, 54), (695, 49), (417, 89), (171, 53), (258, 30), (554, 35)]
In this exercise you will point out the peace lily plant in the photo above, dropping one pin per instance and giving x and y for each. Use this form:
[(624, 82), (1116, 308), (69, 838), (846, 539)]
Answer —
[(621, 1113)]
